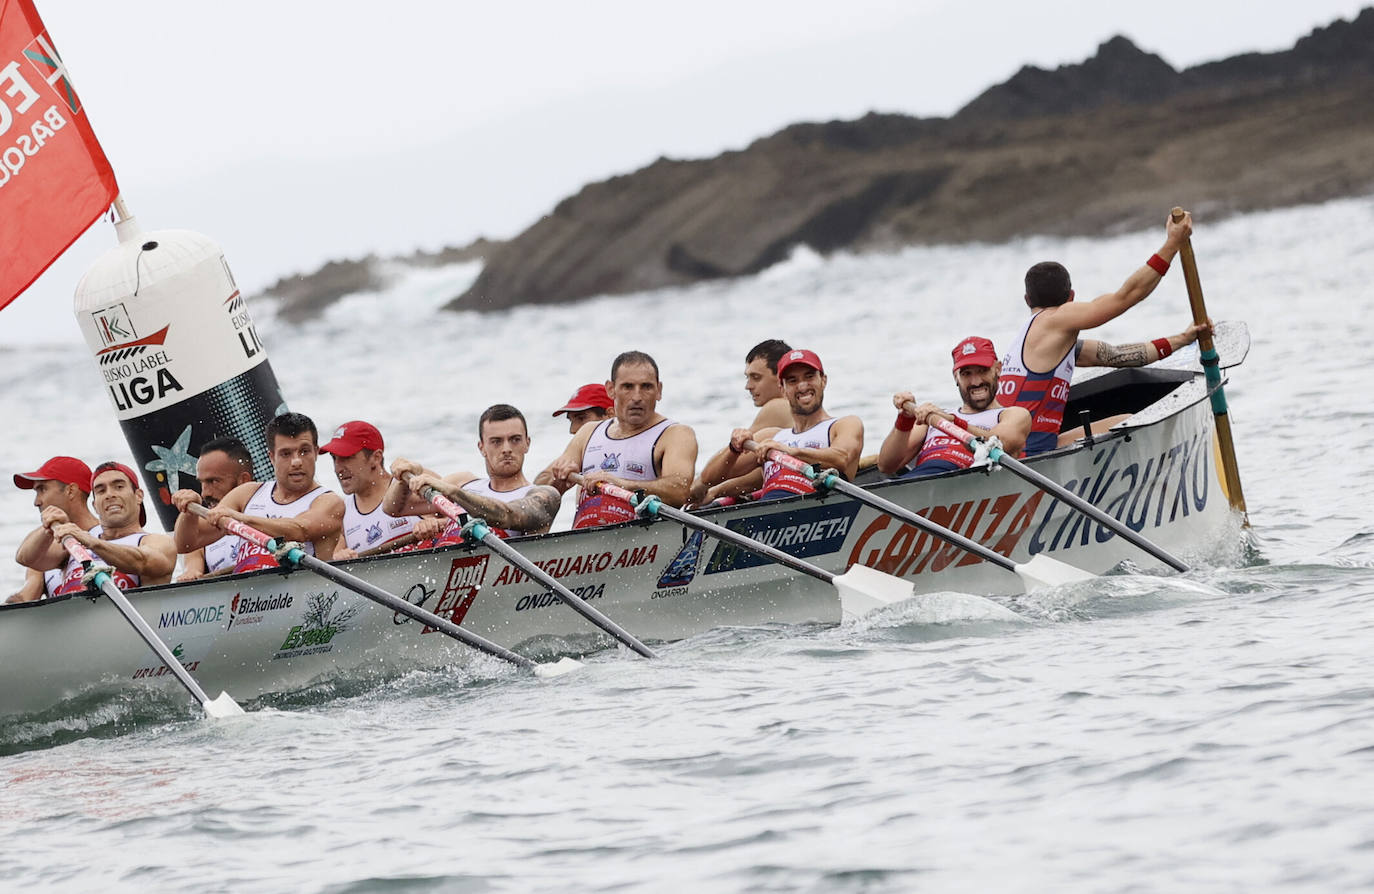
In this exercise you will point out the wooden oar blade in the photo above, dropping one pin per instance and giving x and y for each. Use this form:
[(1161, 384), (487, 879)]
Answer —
[(558, 668), (1042, 571), (863, 589), (221, 707)]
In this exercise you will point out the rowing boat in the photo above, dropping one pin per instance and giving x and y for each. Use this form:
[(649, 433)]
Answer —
[(274, 631)]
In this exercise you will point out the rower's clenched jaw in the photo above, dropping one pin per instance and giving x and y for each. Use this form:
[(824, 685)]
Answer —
[(636, 391), (293, 462), (761, 382), (804, 388), (977, 386), (116, 501), (504, 445)]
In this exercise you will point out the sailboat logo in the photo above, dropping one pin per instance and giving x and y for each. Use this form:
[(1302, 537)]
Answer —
[(683, 568)]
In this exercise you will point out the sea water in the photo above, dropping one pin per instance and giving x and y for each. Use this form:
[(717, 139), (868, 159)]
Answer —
[(1210, 732)]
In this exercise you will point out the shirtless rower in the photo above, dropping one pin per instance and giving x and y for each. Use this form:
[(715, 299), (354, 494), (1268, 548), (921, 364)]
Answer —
[(138, 558), (915, 447), (291, 507), (223, 465), (64, 482), (637, 448), (1038, 368), (812, 435), (505, 499), (360, 467), (761, 381), (590, 403)]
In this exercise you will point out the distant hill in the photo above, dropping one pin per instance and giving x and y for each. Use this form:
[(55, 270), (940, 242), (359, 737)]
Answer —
[(1105, 145)]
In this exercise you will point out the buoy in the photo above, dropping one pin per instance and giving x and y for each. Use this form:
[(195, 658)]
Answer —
[(177, 353)]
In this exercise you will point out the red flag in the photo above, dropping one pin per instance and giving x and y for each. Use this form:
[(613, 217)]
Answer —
[(54, 179)]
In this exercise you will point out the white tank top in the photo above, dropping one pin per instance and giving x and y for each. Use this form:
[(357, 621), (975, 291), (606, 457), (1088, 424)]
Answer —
[(51, 581), (483, 486), (366, 530), (72, 572), (220, 554), (631, 458), (781, 478), (250, 556)]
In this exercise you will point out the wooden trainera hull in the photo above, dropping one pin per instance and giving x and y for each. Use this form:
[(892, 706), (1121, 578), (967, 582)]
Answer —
[(271, 631)]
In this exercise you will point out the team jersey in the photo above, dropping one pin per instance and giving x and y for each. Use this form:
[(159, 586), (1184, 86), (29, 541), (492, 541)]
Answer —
[(1043, 394), (365, 530), (249, 556), (72, 572), (220, 554), (631, 458), (780, 479), (942, 453)]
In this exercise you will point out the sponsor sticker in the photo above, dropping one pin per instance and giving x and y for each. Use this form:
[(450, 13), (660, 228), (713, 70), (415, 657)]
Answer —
[(812, 531)]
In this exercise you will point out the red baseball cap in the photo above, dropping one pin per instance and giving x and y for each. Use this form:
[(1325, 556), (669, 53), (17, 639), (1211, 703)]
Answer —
[(133, 482), (804, 357), (586, 397), (353, 436), (974, 351), (66, 469)]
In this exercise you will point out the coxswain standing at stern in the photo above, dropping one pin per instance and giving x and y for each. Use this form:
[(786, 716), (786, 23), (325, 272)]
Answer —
[(637, 448), (293, 506)]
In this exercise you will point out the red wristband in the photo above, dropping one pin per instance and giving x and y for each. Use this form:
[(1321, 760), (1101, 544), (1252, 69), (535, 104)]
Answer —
[(904, 422), (1158, 264), (1163, 346)]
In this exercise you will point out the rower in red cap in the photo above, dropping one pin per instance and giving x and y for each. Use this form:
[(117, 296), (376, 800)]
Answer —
[(360, 467), (914, 448), (815, 436), (139, 558), (64, 482), (590, 403)]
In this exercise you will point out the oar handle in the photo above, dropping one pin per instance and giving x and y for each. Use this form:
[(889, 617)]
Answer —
[(236, 527), (394, 543), (605, 487)]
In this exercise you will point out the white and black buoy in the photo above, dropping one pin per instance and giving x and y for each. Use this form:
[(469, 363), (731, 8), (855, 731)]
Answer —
[(177, 352)]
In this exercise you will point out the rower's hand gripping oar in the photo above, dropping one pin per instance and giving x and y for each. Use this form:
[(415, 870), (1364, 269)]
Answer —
[(861, 589), (291, 554), (479, 530), (1040, 571), (97, 576), (996, 454)]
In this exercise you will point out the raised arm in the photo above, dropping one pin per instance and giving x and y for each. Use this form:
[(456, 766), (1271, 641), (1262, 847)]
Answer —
[(1099, 353), (908, 433)]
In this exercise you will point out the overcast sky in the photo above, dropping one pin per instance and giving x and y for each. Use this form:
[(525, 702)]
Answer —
[(297, 132)]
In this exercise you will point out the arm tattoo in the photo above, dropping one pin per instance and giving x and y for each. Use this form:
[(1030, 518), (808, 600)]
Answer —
[(1121, 355), (532, 512)]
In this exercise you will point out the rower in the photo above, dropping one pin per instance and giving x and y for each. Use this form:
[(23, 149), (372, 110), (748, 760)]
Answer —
[(360, 466), (505, 499), (813, 435), (761, 381), (1038, 369), (588, 404), (138, 558), (291, 507), (223, 465), (64, 482), (913, 437), (637, 448)]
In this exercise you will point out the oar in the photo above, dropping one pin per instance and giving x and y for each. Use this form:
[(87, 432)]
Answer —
[(997, 455), (1040, 571), (393, 544), (99, 576), (1211, 368), (479, 530), (861, 589), (291, 554)]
